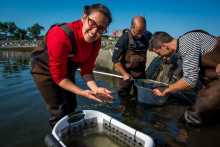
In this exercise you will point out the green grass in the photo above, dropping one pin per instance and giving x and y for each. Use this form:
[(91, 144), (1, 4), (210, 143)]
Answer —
[(103, 46), (111, 40)]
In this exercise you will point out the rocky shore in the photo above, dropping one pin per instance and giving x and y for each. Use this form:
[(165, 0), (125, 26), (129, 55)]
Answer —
[(34, 43), (19, 43)]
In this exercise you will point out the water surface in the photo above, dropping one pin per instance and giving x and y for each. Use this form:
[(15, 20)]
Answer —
[(24, 117)]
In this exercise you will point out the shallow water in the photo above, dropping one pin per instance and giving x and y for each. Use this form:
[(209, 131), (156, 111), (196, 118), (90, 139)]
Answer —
[(89, 135), (24, 117)]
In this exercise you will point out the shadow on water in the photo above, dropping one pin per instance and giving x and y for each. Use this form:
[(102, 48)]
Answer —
[(24, 118), (162, 123)]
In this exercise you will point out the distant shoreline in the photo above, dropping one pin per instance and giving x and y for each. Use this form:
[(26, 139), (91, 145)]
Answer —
[(25, 48), (18, 48)]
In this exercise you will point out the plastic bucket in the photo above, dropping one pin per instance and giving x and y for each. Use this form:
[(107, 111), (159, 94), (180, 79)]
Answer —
[(120, 133), (144, 87)]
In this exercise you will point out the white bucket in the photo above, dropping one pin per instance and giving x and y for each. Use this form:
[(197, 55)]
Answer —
[(113, 128)]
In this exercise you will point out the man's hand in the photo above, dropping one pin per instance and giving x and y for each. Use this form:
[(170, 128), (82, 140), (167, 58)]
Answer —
[(159, 91), (121, 69), (168, 59), (173, 88), (127, 77)]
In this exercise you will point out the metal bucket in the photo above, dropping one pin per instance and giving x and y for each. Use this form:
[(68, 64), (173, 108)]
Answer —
[(144, 87)]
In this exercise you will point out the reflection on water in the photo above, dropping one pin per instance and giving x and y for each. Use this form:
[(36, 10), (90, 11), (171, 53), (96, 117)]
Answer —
[(24, 118), (12, 63)]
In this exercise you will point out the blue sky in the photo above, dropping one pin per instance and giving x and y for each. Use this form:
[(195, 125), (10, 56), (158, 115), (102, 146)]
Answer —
[(172, 16)]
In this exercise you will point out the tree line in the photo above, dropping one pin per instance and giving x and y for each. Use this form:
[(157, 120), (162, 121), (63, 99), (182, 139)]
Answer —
[(34, 31), (18, 33)]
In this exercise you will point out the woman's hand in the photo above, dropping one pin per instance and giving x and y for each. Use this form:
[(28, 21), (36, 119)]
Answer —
[(159, 91), (103, 91), (89, 95)]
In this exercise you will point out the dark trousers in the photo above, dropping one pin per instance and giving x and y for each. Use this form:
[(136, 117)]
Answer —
[(206, 108), (59, 102), (125, 88)]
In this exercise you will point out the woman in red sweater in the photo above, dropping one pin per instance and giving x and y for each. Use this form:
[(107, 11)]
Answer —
[(54, 67)]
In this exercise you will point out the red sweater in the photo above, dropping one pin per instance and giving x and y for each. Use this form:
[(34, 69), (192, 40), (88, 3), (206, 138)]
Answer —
[(59, 46)]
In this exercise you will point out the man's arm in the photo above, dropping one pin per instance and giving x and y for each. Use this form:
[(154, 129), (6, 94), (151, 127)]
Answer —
[(179, 86), (125, 75), (120, 48)]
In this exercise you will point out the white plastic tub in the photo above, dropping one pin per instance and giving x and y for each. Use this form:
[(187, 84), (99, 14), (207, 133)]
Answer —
[(119, 132)]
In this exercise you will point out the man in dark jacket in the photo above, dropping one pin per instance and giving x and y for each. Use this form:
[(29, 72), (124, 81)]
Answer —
[(200, 54), (130, 55)]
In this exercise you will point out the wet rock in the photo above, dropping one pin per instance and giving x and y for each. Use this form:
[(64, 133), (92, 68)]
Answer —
[(104, 59)]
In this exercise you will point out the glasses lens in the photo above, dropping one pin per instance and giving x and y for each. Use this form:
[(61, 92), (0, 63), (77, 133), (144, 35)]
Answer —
[(102, 30), (92, 23), (139, 34)]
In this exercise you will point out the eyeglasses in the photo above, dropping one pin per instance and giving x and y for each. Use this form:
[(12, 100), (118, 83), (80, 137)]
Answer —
[(139, 34), (93, 24)]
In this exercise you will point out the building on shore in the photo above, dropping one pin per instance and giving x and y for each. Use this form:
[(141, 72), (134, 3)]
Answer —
[(3, 36), (117, 33)]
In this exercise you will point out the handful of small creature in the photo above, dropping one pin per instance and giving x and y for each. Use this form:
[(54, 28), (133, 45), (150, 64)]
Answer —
[(104, 98)]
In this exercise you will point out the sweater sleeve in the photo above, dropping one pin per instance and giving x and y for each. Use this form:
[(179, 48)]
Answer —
[(88, 65), (58, 50)]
